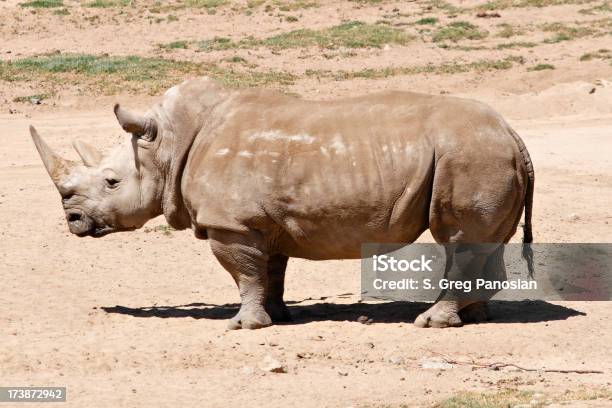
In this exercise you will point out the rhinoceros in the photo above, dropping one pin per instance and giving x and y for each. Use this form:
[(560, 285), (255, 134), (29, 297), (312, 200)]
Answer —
[(265, 176)]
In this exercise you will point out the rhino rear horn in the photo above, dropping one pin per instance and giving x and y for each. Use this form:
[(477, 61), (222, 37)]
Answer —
[(89, 154), (138, 125), (55, 165)]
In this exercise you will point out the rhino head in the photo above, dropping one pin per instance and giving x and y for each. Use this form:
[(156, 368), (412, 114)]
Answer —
[(116, 192)]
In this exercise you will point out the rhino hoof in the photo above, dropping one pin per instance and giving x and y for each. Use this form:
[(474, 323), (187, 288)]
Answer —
[(249, 320), (278, 312), (438, 320), (475, 313)]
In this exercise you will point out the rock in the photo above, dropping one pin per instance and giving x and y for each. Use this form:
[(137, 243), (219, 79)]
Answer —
[(248, 370), (35, 101), (365, 320), (484, 14), (271, 365), (396, 360), (435, 364), (573, 217)]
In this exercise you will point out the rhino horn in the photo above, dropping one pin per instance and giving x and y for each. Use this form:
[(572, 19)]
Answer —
[(89, 154), (55, 165), (138, 125)]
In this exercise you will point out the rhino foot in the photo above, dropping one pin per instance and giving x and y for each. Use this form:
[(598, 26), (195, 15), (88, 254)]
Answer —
[(475, 313), (249, 319), (278, 311), (442, 314)]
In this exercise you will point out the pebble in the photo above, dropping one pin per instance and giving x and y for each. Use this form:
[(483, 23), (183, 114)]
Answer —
[(271, 365), (247, 370), (435, 364), (365, 320)]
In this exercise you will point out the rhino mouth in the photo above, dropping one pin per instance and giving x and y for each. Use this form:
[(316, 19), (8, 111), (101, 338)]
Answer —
[(99, 232)]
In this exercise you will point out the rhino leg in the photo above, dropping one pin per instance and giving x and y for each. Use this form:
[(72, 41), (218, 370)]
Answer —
[(244, 258), (275, 306)]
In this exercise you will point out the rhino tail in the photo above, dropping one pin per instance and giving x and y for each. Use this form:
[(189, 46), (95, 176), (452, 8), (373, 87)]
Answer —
[(527, 251)]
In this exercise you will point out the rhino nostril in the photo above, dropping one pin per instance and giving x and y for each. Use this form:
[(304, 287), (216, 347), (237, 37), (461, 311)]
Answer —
[(72, 217)]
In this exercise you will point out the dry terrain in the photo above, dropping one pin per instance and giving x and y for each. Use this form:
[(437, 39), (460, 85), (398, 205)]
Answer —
[(138, 319)]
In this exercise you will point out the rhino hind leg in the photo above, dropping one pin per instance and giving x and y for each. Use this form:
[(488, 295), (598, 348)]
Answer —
[(471, 208), (275, 305), (242, 256)]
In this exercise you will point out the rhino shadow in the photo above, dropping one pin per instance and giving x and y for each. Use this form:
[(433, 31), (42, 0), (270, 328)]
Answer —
[(389, 312)]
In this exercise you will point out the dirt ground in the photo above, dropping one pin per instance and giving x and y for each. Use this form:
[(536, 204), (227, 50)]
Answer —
[(138, 319)]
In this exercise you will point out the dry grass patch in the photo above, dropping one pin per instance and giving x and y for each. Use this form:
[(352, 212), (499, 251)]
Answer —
[(457, 31), (603, 54), (441, 69), (43, 3), (109, 75), (505, 4), (353, 34)]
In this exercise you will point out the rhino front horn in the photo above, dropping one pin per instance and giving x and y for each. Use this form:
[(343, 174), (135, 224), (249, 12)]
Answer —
[(138, 125), (55, 165)]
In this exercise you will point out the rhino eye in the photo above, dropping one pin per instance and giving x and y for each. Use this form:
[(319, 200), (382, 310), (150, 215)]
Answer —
[(111, 182)]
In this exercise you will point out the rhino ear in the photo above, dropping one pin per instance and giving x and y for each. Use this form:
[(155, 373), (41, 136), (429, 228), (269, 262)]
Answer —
[(90, 155), (138, 125)]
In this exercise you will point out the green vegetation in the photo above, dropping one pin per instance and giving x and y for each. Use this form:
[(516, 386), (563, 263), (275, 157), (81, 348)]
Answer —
[(29, 98), (43, 3), (459, 30), (507, 30), (108, 3), (603, 8), (292, 5), (603, 54), (207, 4), (500, 399), (217, 43), (446, 68), (133, 74), (504, 4), (61, 12), (354, 34), (516, 44), (444, 6), (174, 45), (427, 21), (541, 67), (512, 397), (564, 32)]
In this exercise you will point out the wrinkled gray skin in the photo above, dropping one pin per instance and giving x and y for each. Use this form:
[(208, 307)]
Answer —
[(265, 176)]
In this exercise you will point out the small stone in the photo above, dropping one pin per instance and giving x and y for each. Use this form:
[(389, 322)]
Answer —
[(396, 360), (343, 373), (363, 319), (271, 365), (573, 217), (248, 370), (435, 364), (35, 101)]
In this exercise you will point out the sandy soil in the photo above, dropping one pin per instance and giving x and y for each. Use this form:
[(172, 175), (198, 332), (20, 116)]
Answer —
[(138, 319)]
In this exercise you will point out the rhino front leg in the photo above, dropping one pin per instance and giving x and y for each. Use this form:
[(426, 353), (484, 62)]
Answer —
[(275, 305), (244, 257)]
